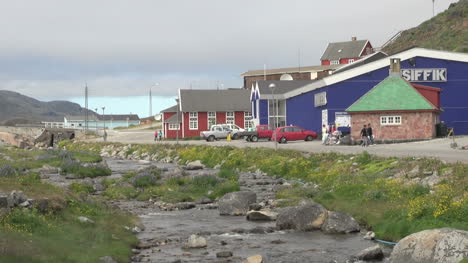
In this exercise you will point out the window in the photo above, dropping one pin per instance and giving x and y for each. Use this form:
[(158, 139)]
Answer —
[(351, 60), (390, 120), (335, 62), (248, 123), (211, 119), (320, 99), (193, 120), (173, 126), (230, 117)]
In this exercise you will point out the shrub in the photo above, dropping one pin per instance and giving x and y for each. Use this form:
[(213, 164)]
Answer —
[(81, 188), (144, 179), (8, 171)]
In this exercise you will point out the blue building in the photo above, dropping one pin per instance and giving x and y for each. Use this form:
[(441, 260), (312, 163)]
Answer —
[(311, 104)]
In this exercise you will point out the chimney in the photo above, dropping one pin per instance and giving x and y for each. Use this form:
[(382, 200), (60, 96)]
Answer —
[(353, 38), (395, 68)]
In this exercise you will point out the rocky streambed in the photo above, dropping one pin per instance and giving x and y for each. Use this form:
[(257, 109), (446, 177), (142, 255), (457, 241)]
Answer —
[(225, 238)]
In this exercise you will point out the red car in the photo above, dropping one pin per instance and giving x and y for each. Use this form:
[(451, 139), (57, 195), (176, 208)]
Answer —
[(293, 133)]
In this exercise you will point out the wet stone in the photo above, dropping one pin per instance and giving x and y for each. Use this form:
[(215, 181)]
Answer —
[(224, 254)]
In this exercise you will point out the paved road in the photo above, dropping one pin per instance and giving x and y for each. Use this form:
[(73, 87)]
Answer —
[(438, 148)]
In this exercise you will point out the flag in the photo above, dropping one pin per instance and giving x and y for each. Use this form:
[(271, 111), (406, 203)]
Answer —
[(257, 92)]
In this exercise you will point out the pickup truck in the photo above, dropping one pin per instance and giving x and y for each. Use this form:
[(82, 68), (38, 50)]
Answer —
[(261, 132), (216, 132)]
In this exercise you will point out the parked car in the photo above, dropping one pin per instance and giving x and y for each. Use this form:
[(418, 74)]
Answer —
[(292, 133), (234, 129), (262, 131), (216, 132)]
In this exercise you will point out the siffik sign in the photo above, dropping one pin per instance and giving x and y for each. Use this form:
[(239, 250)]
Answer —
[(425, 75)]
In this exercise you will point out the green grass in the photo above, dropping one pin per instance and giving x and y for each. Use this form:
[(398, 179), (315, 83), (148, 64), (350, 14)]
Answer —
[(30, 236)]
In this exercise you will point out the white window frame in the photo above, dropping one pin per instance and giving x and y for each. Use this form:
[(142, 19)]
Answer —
[(248, 121), (211, 115), (390, 120), (230, 117), (193, 120), (351, 60), (334, 62), (174, 126), (320, 99)]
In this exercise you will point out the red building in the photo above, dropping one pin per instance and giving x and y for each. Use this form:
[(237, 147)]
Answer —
[(200, 109), (346, 52)]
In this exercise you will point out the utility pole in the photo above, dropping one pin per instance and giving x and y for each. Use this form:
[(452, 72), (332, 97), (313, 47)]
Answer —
[(433, 3), (86, 109)]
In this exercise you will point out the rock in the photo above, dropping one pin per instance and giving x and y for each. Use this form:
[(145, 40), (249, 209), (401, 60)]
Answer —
[(195, 165), (277, 242), (99, 186), (370, 253), (195, 241), (369, 235), (236, 203), (144, 162), (263, 215), (84, 219), (340, 223), (16, 197), (431, 181), (42, 205), (204, 200), (255, 206), (185, 205), (25, 204), (224, 254), (136, 230), (254, 259), (432, 246), (4, 201), (47, 169), (306, 216), (107, 259)]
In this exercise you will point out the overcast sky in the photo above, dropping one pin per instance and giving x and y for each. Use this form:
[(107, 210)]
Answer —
[(49, 49)]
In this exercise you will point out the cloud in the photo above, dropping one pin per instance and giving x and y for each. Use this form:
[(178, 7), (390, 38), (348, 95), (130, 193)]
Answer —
[(121, 47)]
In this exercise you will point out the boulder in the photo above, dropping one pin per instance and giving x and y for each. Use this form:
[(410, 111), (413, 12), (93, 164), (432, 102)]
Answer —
[(254, 259), (195, 165), (4, 201), (204, 201), (306, 216), (236, 203), (16, 197), (432, 246), (195, 241), (369, 235), (262, 215), (371, 253), (185, 205), (340, 223)]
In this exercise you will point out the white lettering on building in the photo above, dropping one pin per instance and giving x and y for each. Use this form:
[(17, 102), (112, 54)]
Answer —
[(425, 75)]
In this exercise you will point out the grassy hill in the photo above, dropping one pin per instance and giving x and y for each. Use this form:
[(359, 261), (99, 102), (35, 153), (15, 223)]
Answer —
[(446, 31)]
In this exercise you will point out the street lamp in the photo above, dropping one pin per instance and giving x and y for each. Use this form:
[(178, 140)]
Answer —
[(178, 123), (272, 87), (103, 118)]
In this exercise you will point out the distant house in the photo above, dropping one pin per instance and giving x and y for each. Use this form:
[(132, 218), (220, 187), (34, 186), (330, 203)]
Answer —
[(110, 121), (346, 52), (397, 109), (294, 73), (200, 109)]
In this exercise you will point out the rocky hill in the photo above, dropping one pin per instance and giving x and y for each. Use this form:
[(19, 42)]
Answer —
[(446, 31), (16, 108)]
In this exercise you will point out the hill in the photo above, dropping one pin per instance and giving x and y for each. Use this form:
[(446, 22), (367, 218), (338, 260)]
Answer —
[(446, 31), (17, 108)]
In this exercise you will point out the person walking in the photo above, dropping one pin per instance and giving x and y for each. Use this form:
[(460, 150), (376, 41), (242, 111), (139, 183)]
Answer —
[(160, 135), (155, 135), (364, 136), (370, 135)]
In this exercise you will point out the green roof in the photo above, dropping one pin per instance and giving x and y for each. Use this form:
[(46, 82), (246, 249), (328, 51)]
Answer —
[(393, 93)]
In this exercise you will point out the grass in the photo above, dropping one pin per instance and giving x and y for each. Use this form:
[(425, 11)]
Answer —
[(31, 236), (173, 190), (362, 185)]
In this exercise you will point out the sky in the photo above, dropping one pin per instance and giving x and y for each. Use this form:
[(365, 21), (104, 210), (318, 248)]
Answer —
[(52, 49)]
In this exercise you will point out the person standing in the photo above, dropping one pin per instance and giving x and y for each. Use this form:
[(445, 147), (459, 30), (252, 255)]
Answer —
[(155, 135), (364, 136), (324, 134), (370, 135)]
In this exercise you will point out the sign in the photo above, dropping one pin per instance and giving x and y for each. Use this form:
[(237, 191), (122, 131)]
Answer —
[(425, 75), (342, 119), (325, 117)]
